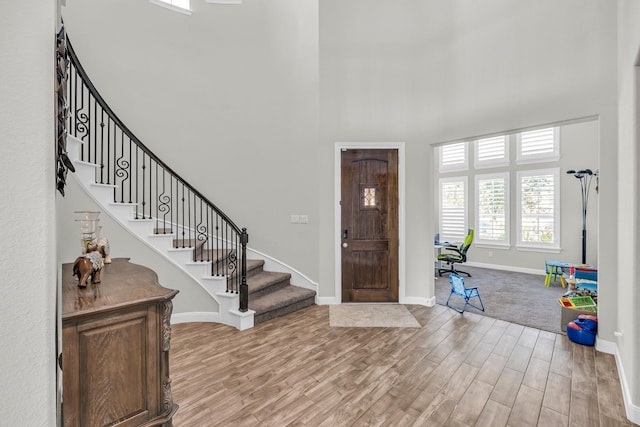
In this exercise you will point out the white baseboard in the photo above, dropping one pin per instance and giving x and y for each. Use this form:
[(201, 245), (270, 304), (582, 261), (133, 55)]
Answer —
[(427, 302), (604, 346), (632, 411), (195, 316), (507, 268), (328, 300)]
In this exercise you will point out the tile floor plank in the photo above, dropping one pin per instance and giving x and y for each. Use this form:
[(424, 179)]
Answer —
[(456, 370)]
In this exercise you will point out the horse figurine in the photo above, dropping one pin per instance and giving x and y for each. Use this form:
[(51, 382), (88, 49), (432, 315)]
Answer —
[(89, 264)]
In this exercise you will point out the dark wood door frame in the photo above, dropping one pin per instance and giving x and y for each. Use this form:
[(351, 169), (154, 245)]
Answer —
[(339, 146)]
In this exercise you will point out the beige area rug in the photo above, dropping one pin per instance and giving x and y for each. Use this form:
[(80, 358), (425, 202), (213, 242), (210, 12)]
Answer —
[(371, 316)]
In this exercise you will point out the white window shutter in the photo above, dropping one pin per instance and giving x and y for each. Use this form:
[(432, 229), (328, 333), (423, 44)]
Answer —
[(538, 208), (493, 208), (453, 157), (538, 145), (491, 150), (453, 212)]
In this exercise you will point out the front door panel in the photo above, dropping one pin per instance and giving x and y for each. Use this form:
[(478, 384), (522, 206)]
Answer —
[(369, 199)]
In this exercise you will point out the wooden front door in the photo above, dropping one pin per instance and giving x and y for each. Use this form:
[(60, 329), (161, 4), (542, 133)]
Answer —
[(369, 200)]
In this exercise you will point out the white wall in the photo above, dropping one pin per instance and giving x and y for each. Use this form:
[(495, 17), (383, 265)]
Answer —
[(628, 315), (27, 219), (426, 72), (228, 86)]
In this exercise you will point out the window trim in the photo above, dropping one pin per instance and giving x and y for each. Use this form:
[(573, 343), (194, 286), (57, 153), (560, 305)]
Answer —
[(537, 246), (539, 158), (465, 181), (506, 177), (483, 164), (170, 6), (457, 167)]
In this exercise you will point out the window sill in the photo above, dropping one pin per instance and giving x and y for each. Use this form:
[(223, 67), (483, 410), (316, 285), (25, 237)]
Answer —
[(487, 245), (548, 249), (170, 7)]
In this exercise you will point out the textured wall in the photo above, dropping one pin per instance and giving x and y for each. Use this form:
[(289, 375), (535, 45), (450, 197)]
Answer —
[(27, 219), (628, 214)]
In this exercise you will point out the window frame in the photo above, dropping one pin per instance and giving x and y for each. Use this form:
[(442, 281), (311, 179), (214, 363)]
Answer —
[(538, 158), (464, 179), (539, 246), (506, 242)]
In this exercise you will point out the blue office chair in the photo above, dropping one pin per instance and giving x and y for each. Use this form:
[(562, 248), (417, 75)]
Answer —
[(458, 288)]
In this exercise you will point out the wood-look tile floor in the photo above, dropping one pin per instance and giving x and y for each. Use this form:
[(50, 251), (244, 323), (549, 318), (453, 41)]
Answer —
[(457, 370)]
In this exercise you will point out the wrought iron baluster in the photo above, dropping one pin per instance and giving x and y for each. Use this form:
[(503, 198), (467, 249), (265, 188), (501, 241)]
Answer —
[(183, 221), (158, 194), (136, 177), (102, 146), (144, 166), (129, 169), (108, 147), (123, 169)]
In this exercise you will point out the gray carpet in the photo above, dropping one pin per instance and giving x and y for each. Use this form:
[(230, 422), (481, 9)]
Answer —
[(515, 297)]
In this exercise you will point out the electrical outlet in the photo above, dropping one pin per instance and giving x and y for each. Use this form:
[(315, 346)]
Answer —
[(304, 219), (295, 219)]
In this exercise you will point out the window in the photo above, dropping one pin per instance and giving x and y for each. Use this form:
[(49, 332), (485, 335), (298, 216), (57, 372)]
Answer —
[(540, 145), (491, 152), (453, 209), (181, 6), (538, 208), (453, 157), (492, 211)]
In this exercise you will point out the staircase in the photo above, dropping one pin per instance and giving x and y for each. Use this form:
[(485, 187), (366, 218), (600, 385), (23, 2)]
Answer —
[(158, 207)]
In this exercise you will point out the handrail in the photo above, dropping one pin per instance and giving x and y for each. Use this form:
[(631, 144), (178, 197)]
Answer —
[(158, 192)]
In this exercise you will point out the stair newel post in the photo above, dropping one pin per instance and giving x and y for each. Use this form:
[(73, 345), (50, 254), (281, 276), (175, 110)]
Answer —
[(244, 288)]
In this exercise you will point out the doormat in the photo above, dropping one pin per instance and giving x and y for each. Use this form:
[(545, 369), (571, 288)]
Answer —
[(371, 316)]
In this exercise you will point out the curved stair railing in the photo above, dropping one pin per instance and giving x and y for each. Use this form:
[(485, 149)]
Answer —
[(157, 192)]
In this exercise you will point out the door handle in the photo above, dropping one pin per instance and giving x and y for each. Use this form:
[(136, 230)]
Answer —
[(345, 244), (345, 234)]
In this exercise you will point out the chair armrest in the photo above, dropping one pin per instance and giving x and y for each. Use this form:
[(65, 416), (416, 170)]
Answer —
[(453, 248)]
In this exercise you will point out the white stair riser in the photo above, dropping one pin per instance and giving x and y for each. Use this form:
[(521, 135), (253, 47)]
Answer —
[(181, 256), (215, 284), (85, 172), (123, 211), (103, 193), (199, 269)]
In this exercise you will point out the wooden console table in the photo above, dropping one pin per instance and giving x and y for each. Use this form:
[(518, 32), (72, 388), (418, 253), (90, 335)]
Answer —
[(115, 339)]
